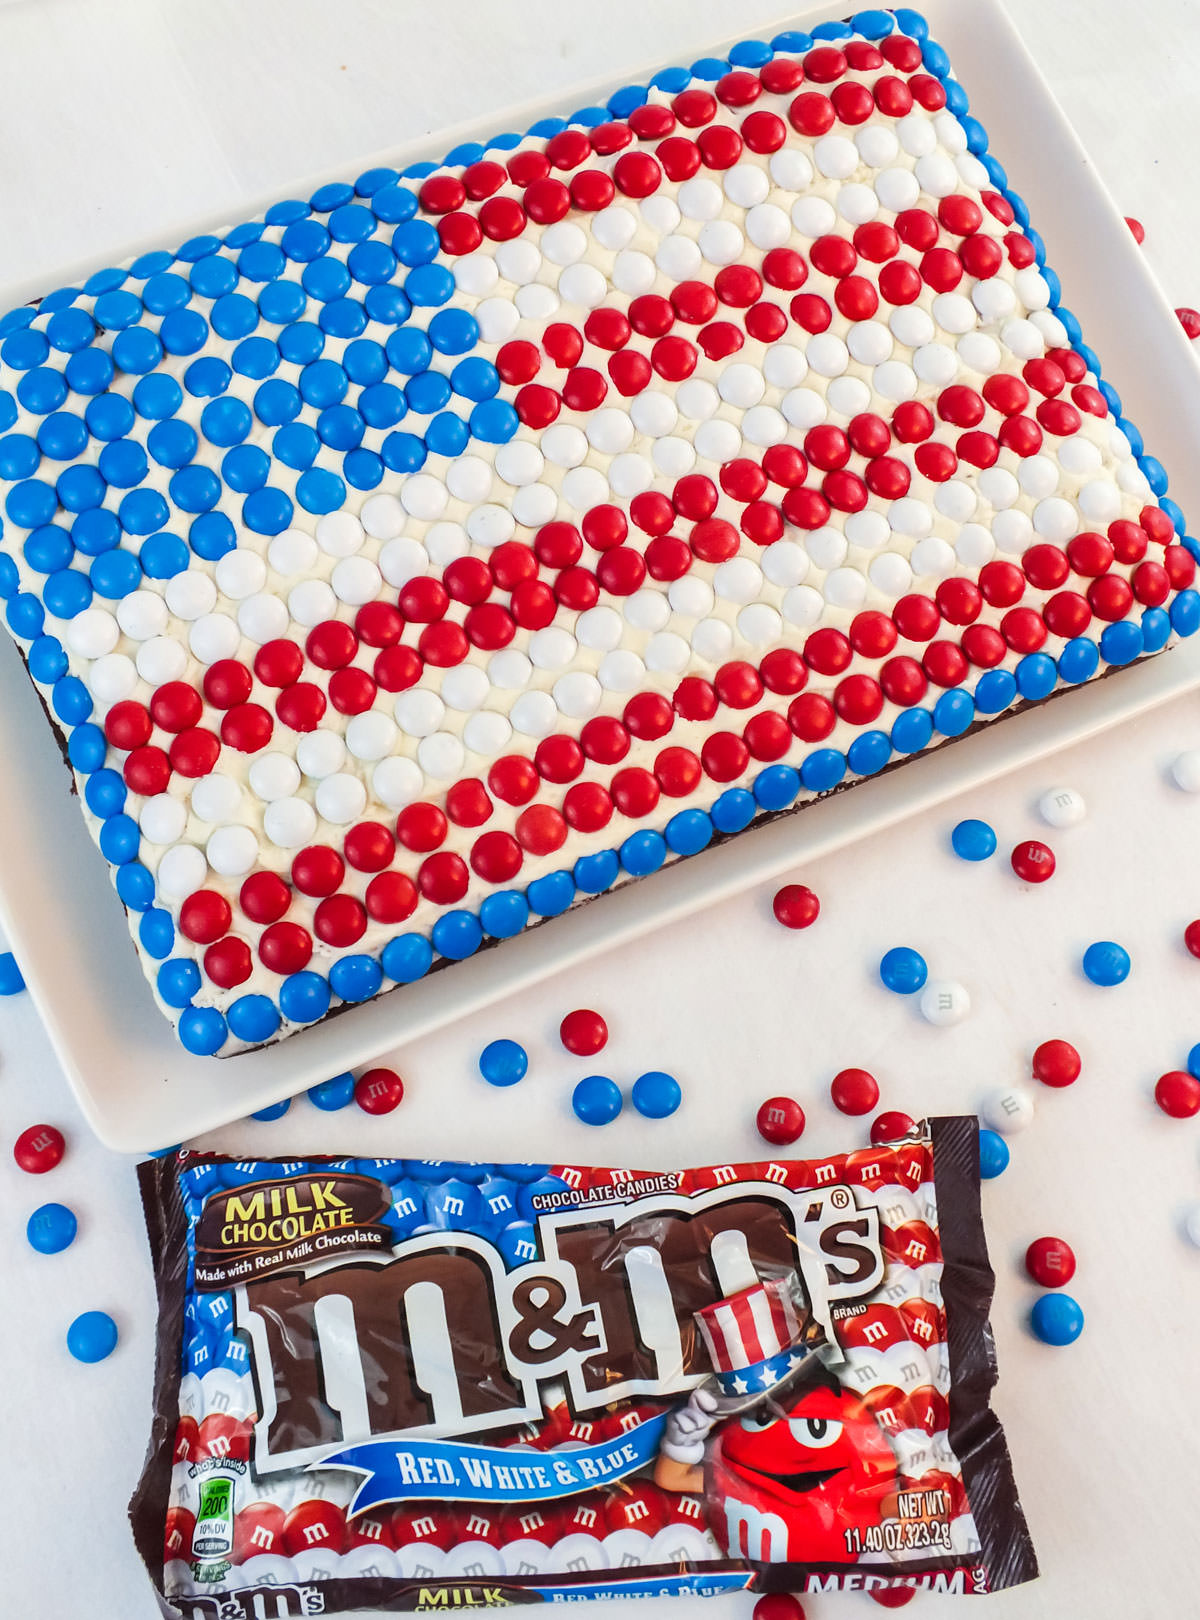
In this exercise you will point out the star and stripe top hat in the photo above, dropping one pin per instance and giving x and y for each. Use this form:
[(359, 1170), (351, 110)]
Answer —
[(760, 1341)]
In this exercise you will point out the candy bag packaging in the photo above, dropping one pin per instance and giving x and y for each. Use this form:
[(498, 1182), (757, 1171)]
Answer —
[(402, 1384)]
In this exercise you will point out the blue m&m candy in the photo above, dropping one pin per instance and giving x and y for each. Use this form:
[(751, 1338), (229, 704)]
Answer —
[(1106, 962), (330, 1095), (993, 1155), (973, 840), (596, 1100), (275, 1111), (92, 1336), (503, 1063), (1056, 1319), (903, 970), (656, 1095), (51, 1229), (10, 975)]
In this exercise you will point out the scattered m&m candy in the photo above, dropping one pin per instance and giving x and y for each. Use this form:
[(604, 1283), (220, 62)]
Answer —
[(1008, 1110), (1056, 1063), (92, 1336), (1191, 937), (778, 1606), (1185, 770), (944, 1002), (1056, 1319), (1178, 1094), (503, 1063), (1136, 228), (795, 906), (891, 1126), (656, 1094), (51, 1229), (892, 1597), (1189, 319), (378, 1091), (903, 970), (583, 1032), (973, 840), (39, 1149), (330, 1095), (1050, 1262), (596, 1100), (780, 1121), (274, 1111), (1106, 963), (993, 1155), (10, 975), (854, 1091), (1033, 861), (1062, 807)]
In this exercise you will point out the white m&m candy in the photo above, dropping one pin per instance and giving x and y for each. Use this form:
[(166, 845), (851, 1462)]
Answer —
[(1008, 1110), (1062, 807), (944, 1001)]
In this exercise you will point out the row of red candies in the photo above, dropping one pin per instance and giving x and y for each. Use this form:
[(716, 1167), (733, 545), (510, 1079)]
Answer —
[(546, 199), (740, 287), (246, 726), (264, 1527)]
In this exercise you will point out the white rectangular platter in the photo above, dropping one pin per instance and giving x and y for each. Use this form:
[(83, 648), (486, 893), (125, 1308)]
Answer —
[(140, 1090)]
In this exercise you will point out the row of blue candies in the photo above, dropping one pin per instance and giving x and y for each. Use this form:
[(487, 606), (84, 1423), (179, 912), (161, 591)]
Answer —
[(597, 1099)]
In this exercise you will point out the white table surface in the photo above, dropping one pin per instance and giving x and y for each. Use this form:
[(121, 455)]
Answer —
[(120, 119)]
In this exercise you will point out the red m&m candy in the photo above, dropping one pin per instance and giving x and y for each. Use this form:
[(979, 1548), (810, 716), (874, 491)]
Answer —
[(854, 1091), (1033, 861), (795, 906), (1191, 937), (1056, 1063), (583, 1032), (890, 1126), (1050, 1262), (39, 1149), (378, 1091), (780, 1121), (1178, 1094), (778, 1606)]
